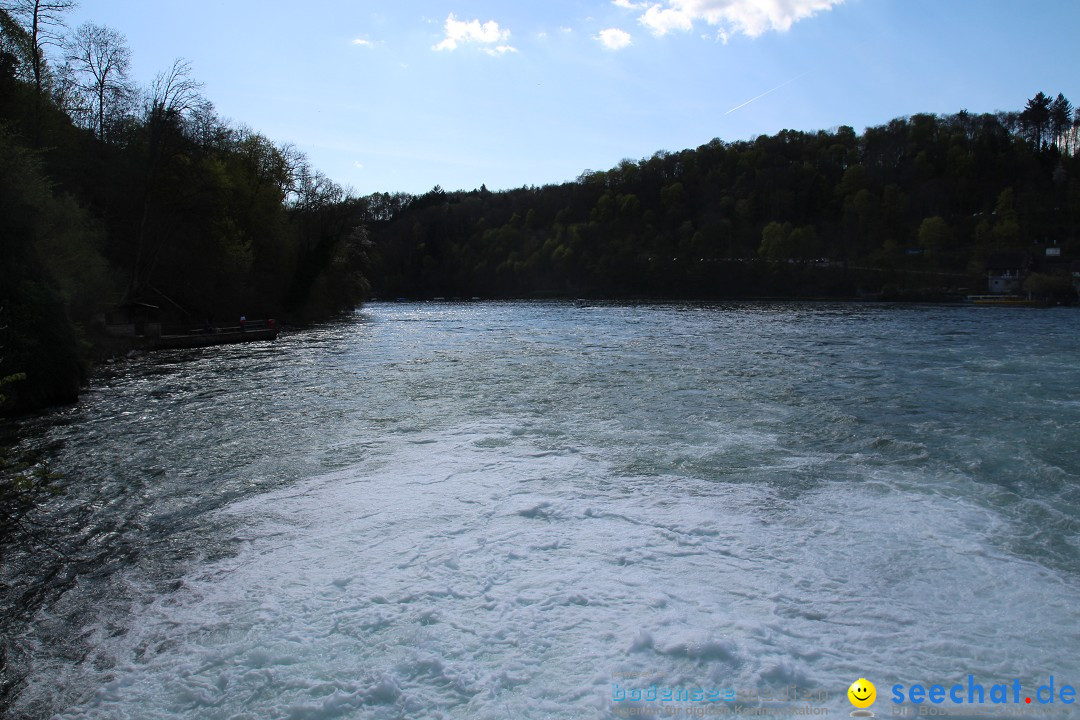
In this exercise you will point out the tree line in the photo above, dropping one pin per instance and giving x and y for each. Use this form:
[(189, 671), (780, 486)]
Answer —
[(909, 209), (115, 195)]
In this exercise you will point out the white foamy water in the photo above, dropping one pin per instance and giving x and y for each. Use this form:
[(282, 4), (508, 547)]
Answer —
[(527, 510)]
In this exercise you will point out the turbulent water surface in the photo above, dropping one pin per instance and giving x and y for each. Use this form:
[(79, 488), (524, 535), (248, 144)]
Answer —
[(527, 509)]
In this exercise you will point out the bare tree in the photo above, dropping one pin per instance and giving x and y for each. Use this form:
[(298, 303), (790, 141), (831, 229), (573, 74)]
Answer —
[(99, 60), (173, 99), (174, 92), (172, 96), (43, 21)]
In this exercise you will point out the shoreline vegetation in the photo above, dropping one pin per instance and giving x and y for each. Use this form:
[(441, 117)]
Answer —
[(129, 205), (122, 205)]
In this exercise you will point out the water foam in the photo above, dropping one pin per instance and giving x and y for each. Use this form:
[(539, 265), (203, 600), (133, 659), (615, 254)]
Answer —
[(522, 551), (487, 581)]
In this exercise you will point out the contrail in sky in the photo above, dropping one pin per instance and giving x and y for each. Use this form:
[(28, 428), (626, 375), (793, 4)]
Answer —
[(764, 94)]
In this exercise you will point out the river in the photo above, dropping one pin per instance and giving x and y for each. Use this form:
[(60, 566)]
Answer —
[(499, 510)]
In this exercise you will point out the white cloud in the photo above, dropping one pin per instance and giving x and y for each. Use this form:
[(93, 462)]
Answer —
[(358, 165), (363, 42), (749, 17), (630, 5), (614, 38), (489, 33), (661, 20)]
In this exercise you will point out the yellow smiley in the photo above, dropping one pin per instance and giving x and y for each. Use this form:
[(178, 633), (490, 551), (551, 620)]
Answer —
[(862, 693)]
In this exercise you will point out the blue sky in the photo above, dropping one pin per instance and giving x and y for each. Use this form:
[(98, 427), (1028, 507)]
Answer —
[(401, 96)]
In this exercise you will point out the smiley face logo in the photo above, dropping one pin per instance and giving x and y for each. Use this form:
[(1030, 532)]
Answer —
[(862, 693)]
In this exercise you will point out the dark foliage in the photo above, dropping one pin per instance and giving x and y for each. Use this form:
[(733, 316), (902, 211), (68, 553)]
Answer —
[(911, 209), (146, 199)]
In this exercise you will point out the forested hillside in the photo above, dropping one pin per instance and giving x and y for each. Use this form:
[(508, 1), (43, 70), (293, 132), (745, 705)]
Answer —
[(114, 196), (909, 209)]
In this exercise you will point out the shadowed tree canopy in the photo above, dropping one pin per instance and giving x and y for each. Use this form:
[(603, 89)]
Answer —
[(915, 205), (145, 198)]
